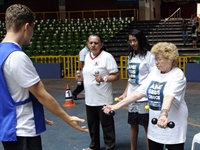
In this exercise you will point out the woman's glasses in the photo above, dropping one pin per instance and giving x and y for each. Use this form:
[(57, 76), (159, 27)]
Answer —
[(132, 41)]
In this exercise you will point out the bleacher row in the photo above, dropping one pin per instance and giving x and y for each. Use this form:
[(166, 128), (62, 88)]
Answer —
[(68, 37)]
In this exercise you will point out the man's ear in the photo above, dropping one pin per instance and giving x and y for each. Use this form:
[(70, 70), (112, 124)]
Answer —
[(26, 26)]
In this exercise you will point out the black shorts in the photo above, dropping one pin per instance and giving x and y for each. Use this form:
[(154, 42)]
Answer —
[(24, 143), (194, 38), (136, 118)]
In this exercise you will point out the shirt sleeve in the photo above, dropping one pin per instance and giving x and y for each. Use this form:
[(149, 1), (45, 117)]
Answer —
[(22, 70), (111, 64), (82, 55), (176, 86)]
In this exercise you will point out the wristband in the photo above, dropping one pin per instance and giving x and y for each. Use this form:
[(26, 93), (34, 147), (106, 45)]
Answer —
[(164, 112)]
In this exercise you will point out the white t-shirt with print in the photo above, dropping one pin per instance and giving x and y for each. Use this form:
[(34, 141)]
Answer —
[(138, 69), (102, 94), (155, 87)]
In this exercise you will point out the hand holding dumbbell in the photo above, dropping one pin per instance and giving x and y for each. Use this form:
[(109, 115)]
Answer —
[(78, 72), (169, 124), (98, 83), (111, 112)]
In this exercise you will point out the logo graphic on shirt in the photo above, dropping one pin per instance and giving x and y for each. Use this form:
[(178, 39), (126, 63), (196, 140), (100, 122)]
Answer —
[(133, 72), (96, 64), (155, 94)]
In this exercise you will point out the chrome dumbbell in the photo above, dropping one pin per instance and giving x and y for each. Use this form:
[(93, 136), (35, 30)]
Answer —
[(78, 72), (98, 83)]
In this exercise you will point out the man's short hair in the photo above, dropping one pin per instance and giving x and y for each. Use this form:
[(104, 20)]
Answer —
[(17, 15)]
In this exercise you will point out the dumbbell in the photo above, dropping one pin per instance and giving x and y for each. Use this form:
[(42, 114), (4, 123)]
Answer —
[(170, 124), (78, 72), (111, 112), (98, 83)]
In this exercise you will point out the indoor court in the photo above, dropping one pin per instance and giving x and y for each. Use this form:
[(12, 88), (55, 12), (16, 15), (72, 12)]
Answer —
[(62, 137)]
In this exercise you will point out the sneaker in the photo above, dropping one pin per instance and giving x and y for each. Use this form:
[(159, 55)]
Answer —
[(87, 148), (74, 97)]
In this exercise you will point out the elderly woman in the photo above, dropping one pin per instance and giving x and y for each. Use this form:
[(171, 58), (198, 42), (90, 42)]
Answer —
[(165, 89)]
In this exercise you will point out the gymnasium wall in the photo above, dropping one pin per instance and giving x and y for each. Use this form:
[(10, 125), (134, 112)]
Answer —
[(186, 9), (74, 5), (35, 5), (70, 5), (96, 5)]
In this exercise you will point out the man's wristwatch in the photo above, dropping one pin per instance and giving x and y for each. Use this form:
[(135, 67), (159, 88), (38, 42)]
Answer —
[(105, 79)]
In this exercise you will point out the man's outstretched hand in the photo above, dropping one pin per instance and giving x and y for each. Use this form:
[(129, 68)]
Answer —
[(74, 122)]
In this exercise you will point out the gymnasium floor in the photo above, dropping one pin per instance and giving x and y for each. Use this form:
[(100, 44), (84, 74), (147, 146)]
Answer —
[(62, 137)]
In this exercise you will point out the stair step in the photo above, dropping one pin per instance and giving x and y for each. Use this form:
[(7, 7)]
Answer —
[(155, 31)]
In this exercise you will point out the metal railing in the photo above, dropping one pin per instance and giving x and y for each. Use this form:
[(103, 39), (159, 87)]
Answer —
[(162, 29), (70, 64), (175, 15), (170, 21), (182, 61), (85, 14)]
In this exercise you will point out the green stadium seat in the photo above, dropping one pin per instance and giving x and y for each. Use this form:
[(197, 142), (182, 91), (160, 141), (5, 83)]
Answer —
[(61, 52), (69, 52), (44, 53), (39, 48), (52, 52), (28, 52), (56, 48), (35, 53)]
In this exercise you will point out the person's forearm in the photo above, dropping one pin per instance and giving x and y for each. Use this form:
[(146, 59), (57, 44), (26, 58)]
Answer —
[(125, 91), (134, 96), (167, 102), (81, 65), (48, 101), (52, 105), (113, 77)]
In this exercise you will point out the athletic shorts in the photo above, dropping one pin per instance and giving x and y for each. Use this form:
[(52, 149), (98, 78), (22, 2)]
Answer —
[(138, 107), (24, 143), (194, 38), (136, 118)]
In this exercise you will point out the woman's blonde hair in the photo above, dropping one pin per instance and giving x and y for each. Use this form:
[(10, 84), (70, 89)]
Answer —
[(168, 50)]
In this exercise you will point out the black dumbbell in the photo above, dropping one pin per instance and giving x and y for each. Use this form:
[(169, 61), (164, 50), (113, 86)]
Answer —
[(111, 112), (170, 124)]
